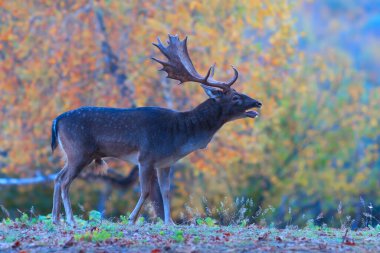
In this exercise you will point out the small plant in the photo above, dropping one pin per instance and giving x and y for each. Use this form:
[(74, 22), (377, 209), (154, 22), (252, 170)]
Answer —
[(200, 221), (99, 236), (325, 228), (24, 218), (243, 223), (310, 224), (7, 222), (80, 222), (83, 237), (124, 219), (47, 222), (208, 221), (159, 222), (108, 226), (48, 225), (140, 221), (95, 236), (178, 236), (94, 217), (42, 218), (119, 235)]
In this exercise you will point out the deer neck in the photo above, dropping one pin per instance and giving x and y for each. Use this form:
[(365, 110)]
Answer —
[(206, 117), (202, 123)]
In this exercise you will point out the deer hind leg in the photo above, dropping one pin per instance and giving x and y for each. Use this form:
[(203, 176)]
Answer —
[(145, 174), (72, 171), (156, 197), (57, 197), (164, 181)]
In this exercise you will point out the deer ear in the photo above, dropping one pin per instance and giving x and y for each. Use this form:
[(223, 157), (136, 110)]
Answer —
[(212, 93)]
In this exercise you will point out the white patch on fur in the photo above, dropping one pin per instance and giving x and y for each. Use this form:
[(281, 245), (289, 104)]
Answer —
[(62, 150)]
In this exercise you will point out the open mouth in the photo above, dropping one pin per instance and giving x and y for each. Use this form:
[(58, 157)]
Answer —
[(251, 114)]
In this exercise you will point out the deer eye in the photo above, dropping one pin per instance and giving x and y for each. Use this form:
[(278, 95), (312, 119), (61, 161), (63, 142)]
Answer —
[(235, 98)]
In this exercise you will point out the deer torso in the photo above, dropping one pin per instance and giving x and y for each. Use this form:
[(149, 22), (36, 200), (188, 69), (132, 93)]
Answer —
[(161, 135)]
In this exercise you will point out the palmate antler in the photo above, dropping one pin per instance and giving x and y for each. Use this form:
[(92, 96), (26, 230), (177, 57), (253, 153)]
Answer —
[(180, 67)]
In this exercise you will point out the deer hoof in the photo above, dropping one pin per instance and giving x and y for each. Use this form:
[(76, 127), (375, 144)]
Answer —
[(131, 221), (71, 223)]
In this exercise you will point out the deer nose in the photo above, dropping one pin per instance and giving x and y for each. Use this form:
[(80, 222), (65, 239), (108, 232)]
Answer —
[(258, 104)]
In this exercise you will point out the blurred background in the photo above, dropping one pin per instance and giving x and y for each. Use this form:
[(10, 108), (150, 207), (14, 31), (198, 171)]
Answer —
[(312, 154)]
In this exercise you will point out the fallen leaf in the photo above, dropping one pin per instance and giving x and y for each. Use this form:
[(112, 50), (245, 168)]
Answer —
[(349, 242), (16, 244), (263, 236), (69, 243)]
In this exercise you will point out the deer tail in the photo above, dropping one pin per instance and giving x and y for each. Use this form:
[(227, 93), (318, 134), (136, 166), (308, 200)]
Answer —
[(54, 135)]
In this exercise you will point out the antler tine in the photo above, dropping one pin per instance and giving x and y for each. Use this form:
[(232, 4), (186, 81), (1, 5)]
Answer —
[(223, 85), (159, 61), (173, 38), (233, 79), (161, 47), (210, 73), (212, 82)]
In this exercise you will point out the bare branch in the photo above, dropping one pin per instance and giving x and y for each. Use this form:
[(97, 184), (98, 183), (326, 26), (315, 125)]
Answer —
[(28, 181), (113, 177)]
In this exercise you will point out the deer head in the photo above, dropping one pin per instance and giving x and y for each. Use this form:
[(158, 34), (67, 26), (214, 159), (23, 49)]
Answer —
[(179, 67)]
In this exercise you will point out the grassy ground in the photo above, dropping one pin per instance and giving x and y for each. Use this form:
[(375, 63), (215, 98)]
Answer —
[(97, 235)]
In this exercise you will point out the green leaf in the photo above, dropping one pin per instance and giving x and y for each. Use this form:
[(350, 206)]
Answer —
[(94, 216), (210, 222)]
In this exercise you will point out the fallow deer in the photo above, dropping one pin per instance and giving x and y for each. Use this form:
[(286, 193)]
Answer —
[(154, 138)]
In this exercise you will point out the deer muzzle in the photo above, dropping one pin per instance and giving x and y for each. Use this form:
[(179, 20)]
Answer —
[(252, 113)]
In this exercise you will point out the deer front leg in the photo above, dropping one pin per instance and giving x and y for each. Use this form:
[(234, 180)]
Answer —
[(145, 174), (164, 181)]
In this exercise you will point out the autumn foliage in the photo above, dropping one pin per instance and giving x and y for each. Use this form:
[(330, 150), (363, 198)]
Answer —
[(312, 146)]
